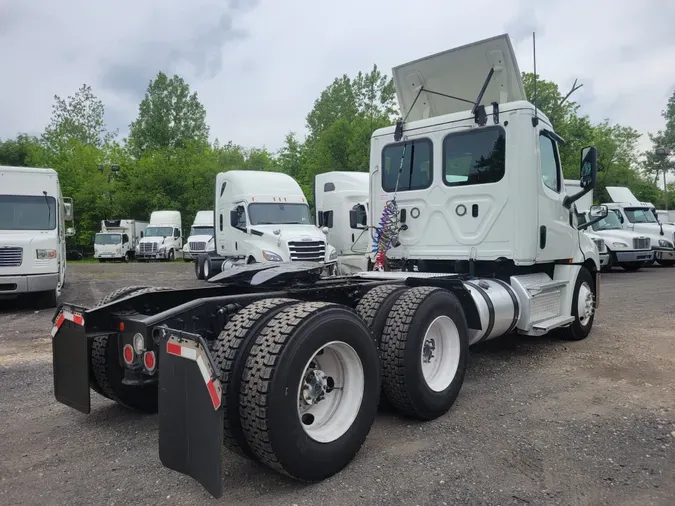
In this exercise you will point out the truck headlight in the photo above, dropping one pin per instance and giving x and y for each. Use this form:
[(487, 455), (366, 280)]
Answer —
[(210, 246), (333, 255), (665, 244), (44, 254), (138, 248), (620, 244), (162, 249), (271, 257)]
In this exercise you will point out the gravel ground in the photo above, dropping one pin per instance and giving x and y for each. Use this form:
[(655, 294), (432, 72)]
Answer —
[(538, 421)]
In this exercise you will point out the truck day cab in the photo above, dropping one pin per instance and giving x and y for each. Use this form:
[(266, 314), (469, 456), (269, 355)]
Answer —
[(163, 237), (262, 217), (286, 367), (202, 236), (640, 217), (118, 239), (33, 234)]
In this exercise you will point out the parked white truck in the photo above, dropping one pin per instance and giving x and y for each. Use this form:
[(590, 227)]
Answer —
[(118, 239), (640, 217), (262, 217), (163, 237), (286, 367), (33, 234), (202, 236), (338, 197), (625, 248)]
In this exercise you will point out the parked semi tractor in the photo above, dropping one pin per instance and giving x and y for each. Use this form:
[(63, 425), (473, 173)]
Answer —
[(262, 217), (286, 367), (202, 236), (163, 237), (624, 248), (640, 217), (33, 216), (338, 197), (118, 239)]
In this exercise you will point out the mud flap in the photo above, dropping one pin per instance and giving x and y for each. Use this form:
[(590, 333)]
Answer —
[(70, 359), (190, 413)]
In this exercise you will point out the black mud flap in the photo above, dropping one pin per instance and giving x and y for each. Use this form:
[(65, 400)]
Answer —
[(190, 412), (70, 353)]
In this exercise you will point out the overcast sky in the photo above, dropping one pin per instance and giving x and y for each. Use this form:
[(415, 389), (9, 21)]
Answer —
[(258, 65)]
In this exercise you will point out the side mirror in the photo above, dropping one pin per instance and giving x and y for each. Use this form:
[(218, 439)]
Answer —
[(70, 231), (364, 220), (234, 218), (319, 219), (67, 209), (328, 219), (589, 167), (352, 219), (595, 213)]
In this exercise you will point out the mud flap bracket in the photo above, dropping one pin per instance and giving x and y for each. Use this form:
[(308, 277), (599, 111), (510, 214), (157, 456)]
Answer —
[(190, 413)]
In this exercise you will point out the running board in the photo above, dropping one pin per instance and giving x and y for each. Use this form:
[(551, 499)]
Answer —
[(552, 323)]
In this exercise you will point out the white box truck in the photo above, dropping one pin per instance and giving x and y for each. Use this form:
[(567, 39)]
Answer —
[(262, 217), (625, 248), (33, 215), (163, 237), (286, 367), (201, 238), (338, 197), (640, 217), (118, 239)]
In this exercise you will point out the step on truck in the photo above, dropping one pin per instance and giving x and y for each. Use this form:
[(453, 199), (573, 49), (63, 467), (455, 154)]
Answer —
[(202, 236), (262, 217), (163, 237), (617, 247), (118, 239), (33, 216), (286, 367), (340, 196)]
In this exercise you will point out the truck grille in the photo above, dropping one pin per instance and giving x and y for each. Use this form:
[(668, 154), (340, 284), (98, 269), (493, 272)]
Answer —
[(641, 243), (11, 257), (313, 251), (600, 243), (148, 247), (197, 246)]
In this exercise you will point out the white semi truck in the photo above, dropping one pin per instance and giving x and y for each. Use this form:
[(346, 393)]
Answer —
[(625, 248), (338, 197), (163, 237), (285, 367), (202, 236), (262, 217), (118, 239), (640, 217), (33, 216)]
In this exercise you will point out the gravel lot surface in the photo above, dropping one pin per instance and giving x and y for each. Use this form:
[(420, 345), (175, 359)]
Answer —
[(538, 421)]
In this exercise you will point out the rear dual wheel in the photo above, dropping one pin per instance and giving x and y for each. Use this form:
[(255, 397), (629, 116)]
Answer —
[(302, 383)]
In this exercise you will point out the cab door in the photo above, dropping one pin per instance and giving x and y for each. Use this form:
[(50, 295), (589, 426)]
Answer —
[(556, 239)]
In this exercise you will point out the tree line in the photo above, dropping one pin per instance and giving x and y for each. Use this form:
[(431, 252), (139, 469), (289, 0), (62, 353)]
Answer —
[(168, 162)]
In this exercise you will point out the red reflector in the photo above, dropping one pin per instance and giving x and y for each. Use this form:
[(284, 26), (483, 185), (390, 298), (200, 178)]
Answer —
[(128, 353), (149, 360), (121, 326), (174, 349), (215, 399)]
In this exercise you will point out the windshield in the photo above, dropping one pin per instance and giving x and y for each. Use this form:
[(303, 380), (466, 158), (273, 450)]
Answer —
[(279, 214), (202, 231), (158, 232), (609, 222), (640, 215), (27, 212), (108, 239)]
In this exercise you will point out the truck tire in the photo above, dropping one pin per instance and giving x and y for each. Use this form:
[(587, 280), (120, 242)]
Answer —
[(666, 263), (207, 268), (415, 389), (282, 435), (632, 266), (170, 256), (199, 267), (230, 353), (581, 326), (108, 372), (375, 305)]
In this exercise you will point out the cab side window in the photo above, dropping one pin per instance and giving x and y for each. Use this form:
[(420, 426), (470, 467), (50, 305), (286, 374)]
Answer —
[(618, 214), (176, 233), (125, 238), (241, 217), (550, 164)]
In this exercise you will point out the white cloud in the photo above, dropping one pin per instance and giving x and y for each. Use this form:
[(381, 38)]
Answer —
[(259, 66)]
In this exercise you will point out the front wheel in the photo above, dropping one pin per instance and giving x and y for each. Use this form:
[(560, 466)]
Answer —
[(583, 307), (632, 266), (170, 257), (666, 263), (310, 390)]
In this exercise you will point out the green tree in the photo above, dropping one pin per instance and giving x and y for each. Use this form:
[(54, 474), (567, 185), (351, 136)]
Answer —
[(169, 116), (17, 152)]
